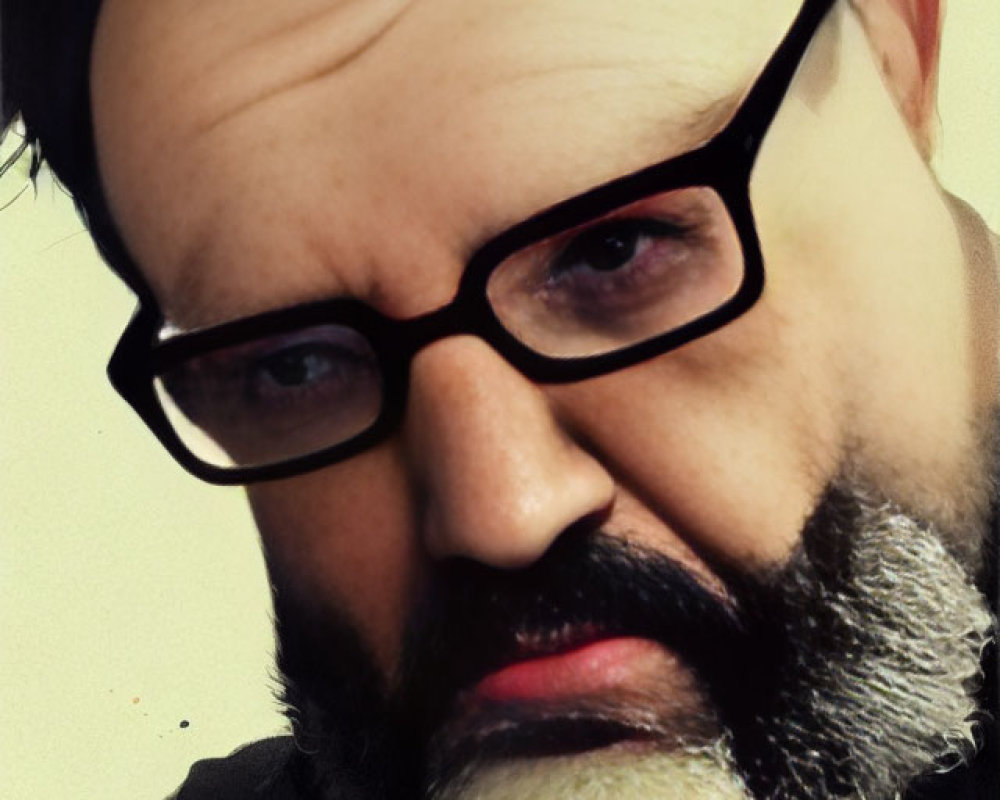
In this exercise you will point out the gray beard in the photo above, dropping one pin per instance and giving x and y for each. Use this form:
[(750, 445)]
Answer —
[(887, 632), (863, 660)]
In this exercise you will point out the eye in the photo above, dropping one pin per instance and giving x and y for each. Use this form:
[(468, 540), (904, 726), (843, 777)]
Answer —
[(603, 248), (605, 255), (609, 246), (616, 261), (322, 367), (297, 366), (309, 374)]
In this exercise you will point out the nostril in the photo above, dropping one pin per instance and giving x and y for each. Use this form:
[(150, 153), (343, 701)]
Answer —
[(590, 522)]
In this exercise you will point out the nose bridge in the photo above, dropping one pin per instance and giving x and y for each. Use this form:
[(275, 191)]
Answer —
[(466, 314), (498, 477), (452, 319)]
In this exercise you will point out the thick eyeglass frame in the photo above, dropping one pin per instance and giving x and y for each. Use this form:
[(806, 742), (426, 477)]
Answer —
[(724, 163)]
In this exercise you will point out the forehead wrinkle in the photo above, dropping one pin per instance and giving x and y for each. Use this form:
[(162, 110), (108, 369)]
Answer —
[(299, 53), (682, 92)]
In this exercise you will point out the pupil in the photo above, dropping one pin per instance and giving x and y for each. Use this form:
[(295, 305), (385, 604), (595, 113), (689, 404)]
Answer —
[(608, 250), (289, 369)]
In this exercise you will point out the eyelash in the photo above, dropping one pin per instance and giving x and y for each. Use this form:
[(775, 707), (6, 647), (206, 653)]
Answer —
[(631, 227), (567, 270)]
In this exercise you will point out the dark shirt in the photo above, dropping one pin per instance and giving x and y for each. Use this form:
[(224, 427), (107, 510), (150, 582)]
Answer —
[(256, 771)]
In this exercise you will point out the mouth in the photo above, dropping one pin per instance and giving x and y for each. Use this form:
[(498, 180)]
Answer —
[(585, 672), (571, 691), (589, 666)]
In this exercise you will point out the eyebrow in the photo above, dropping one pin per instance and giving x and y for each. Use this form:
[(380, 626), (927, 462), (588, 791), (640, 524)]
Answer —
[(207, 305)]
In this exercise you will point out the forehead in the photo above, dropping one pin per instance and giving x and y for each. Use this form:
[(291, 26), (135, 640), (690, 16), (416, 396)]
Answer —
[(238, 137)]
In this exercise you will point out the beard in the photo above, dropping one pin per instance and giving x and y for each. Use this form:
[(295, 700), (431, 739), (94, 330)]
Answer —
[(848, 671)]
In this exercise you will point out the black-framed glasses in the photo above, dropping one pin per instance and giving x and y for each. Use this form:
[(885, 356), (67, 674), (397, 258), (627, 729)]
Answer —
[(607, 279)]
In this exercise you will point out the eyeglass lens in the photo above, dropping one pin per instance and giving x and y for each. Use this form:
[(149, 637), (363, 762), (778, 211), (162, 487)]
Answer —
[(644, 269), (274, 398)]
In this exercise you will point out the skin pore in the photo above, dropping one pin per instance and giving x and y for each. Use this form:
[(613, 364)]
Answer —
[(309, 150)]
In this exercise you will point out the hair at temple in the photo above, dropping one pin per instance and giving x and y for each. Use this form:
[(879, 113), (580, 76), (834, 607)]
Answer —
[(44, 85)]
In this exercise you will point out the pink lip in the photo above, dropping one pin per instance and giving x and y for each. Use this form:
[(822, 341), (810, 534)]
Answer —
[(592, 668)]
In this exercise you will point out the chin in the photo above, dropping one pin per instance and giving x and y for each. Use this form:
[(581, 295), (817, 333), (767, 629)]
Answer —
[(620, 772)]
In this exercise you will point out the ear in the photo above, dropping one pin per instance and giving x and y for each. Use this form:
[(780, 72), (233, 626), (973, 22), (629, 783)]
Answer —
[(906, 36)]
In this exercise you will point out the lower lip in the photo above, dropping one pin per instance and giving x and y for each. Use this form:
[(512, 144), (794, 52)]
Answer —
[(593, 668)]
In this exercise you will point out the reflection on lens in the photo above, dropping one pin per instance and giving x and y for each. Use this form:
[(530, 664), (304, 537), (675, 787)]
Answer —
[(274, 398), (636, 273)]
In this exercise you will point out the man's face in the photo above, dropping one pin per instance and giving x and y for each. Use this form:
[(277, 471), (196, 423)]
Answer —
[(260, 157)]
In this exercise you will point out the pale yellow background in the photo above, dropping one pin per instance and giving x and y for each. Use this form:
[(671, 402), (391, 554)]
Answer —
[(131, 596)]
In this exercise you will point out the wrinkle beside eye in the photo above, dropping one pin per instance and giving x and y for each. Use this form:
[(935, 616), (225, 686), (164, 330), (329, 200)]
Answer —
[(299, 53)]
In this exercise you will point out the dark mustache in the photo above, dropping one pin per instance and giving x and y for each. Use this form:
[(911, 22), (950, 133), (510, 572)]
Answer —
[(476, 617)]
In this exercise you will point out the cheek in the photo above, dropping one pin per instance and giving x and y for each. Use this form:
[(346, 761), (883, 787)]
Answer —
[(728, 441), (342, 536)]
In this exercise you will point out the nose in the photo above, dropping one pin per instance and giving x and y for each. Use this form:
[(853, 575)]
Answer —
[(498, 476)]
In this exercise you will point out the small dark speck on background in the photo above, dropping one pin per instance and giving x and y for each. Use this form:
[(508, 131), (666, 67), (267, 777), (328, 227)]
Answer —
[(184, 723)]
